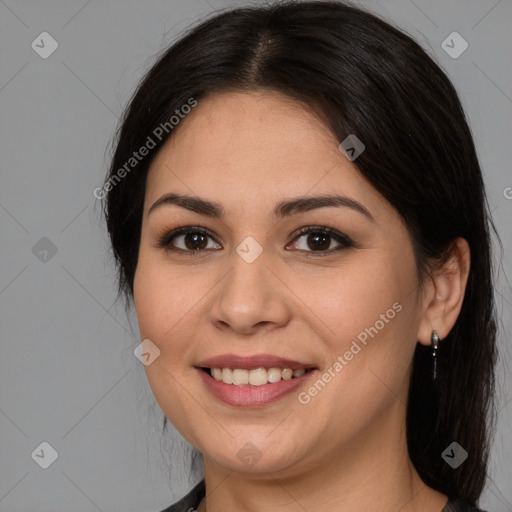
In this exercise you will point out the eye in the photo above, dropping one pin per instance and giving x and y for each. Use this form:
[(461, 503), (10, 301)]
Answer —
[(319, 238), (193, 240)]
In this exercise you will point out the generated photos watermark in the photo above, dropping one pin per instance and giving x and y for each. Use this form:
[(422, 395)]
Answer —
[(342, 360), (137, 156)]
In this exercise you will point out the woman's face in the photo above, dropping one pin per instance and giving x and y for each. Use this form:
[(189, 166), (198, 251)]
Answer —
[(344, 306)]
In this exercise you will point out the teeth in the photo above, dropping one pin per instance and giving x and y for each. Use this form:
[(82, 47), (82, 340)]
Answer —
[(274, 374), (256, 377), (227, 375), (287, 373), (240, 377)]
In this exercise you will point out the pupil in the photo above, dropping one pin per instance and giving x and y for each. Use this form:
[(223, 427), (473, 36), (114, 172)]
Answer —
[(194, 238), (319, 245)]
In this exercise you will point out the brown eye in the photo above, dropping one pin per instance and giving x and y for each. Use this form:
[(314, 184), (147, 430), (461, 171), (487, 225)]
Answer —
[(319, 239), (187, 239), (195, 241)]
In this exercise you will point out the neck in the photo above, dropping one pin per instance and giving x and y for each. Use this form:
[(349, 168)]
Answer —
[(371, 472)]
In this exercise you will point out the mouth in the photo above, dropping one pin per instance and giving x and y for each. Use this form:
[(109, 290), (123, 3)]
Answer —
[(254, 377), (252, 381)]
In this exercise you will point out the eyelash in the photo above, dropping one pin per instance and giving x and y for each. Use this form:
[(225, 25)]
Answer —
[(345, 241)]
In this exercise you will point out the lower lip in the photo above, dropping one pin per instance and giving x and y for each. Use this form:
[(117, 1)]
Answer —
[(247, 395)]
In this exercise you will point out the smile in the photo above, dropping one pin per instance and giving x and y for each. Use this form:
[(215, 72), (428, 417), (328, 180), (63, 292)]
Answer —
[(256, 377), (252, 381)]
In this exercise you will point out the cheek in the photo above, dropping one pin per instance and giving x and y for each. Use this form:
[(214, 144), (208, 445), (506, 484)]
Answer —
[(167, 302), (367, 315), (162, 317), (377, 314), (148, 299), (156, 296), (369, 357), (156, 307), (349, 301)]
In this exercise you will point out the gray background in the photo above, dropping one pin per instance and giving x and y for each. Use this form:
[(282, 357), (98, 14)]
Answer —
[(68, 375)]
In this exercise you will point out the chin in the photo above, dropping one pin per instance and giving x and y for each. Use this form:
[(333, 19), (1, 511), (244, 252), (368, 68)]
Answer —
[(256, 458)]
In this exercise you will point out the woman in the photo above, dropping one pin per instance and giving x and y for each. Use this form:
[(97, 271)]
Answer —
[(297, 211)]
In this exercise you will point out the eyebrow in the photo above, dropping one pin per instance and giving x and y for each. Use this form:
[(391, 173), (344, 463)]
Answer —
[(281, 210)]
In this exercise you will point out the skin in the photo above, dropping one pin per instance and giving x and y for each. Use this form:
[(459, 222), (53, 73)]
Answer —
[(346, 449)]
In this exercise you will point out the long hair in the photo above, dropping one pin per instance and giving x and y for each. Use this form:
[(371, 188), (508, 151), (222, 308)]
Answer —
[(367, 78)]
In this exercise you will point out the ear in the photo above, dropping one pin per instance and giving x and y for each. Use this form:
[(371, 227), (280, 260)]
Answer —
[(444, 293)]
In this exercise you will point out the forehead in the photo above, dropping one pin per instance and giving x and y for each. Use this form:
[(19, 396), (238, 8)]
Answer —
[(253, 148), (230, 126)]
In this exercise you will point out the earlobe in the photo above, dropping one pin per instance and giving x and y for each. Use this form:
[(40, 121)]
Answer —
[(445, 295)]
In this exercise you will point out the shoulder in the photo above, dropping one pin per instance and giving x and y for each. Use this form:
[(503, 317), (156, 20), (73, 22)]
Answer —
[(455, 505), (189, 502)]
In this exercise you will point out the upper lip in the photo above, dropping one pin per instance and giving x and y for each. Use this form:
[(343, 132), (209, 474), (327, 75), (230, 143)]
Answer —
[(252, 362)]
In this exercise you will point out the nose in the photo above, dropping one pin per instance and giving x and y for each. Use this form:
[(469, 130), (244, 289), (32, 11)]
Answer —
[(250, 298)]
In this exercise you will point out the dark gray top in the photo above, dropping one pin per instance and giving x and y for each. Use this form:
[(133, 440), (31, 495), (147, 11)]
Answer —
[(190, 502)]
